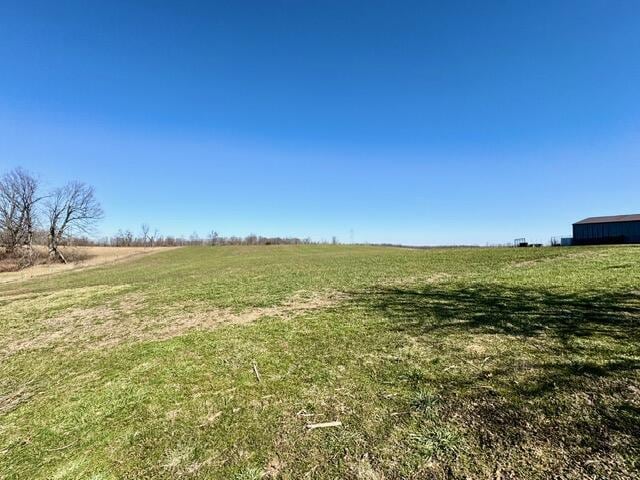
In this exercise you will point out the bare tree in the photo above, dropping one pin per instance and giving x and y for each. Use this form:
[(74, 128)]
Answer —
[(128, 238), (153, 238), (10, 225), (123, 239), (194, 239), (70, 209), (213, 237), (145, 233), (18, 199)]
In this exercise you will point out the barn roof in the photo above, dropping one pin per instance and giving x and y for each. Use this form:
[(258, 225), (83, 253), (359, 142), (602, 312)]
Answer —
[(613, 218)]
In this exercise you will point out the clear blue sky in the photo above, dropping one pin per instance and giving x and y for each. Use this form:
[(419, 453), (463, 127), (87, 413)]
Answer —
[(413, 122)]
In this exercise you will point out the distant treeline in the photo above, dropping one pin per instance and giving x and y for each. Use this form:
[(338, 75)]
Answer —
[(67, 215), (126, 238)]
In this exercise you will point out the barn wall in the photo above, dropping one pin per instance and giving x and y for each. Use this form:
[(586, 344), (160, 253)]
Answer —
[(613, 232)]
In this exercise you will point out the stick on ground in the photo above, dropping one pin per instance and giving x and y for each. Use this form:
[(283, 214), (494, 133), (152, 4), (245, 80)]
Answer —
[(312, 426), (255, 370)]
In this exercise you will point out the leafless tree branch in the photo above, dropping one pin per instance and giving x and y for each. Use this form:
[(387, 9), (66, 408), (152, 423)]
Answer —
[(71, 209), (18, 200)]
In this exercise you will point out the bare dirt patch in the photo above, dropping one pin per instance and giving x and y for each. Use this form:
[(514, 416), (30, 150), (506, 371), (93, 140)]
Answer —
[(70, 326), (212, 318), (120, 322), (82, 257), (35, 305)]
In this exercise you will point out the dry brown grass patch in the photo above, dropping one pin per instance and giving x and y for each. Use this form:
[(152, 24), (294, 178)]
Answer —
[(206, 319), (13, 399), (116, 323), (79, 258)]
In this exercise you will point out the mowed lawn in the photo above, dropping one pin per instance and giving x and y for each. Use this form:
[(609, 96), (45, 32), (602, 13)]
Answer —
[(440, 363)]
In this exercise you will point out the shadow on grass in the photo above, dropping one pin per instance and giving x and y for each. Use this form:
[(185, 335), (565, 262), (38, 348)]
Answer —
[(511, 311), (568, 374), (592, 333)]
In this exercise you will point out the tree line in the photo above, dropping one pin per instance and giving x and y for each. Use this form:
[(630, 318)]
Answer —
[(26, 212), (67, 215), (144, 238)]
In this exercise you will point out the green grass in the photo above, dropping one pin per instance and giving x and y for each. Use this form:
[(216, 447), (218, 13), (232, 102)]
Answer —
[(443, 363)]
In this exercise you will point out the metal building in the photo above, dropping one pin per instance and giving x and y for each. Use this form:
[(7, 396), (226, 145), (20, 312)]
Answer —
[(601, 230)]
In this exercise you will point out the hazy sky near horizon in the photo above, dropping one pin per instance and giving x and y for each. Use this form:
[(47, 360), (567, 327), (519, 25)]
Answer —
[(404, 122)]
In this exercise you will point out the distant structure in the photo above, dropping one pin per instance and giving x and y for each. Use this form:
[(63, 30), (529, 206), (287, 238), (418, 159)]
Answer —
[(607, 230), (520, 242)]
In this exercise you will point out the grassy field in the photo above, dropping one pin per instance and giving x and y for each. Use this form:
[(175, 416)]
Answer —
[(443, 363)]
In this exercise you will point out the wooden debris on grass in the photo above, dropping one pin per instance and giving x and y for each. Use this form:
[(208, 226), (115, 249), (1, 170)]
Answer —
[(313, 426), (255, 370)]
